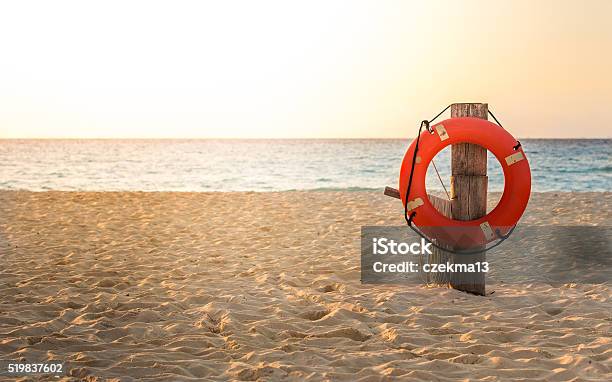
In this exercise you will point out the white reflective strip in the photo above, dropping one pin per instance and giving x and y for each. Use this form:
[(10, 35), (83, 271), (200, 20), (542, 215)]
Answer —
[(487, 230), (441, 132), (516, 157), (415, 203)]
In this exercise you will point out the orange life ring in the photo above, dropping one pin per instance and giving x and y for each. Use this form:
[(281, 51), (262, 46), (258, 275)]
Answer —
[(517, 182)]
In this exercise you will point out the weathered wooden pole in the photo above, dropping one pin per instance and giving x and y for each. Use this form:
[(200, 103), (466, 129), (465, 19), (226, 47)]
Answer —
[(468, 202), (468, 194), (438, 256)]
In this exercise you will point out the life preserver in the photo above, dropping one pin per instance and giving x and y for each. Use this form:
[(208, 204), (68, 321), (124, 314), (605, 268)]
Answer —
[(517, 182)]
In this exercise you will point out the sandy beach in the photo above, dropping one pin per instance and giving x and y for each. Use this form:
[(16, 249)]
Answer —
[(266, 286)]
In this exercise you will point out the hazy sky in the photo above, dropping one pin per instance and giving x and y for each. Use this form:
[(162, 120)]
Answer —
[(301, 69)]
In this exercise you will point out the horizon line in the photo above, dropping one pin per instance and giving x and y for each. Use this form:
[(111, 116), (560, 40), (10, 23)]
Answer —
[(243, 139)]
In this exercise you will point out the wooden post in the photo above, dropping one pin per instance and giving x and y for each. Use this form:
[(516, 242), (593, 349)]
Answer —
[(438, 256), (392, 192), (468, 201), (469, 193)]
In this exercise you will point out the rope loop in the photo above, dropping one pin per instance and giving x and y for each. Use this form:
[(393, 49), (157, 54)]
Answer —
[(426, 123), (501, 238), (412, 215)]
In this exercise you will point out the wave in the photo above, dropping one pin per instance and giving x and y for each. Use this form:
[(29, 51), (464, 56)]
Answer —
[(588, 170), (328, 189)]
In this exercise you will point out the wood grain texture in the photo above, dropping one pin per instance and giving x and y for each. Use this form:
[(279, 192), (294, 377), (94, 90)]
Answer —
[(469, 196), (469, 193), (438, 256), (468, 159), (392, 192), (476, 110)]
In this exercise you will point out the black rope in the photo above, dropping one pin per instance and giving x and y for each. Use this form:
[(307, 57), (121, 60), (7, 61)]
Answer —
[(491, 114), (501, 238), (425, 123), (416, 149), (518, 143), (409, 218), (439, 114), (412, 215)]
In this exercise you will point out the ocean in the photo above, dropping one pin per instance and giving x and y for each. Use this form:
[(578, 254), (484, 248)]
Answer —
[(273, 165)]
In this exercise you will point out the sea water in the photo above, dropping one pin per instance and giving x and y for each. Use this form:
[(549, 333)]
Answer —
[(273, 165)]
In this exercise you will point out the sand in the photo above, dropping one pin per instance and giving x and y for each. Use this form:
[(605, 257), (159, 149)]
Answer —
[(248, 286)]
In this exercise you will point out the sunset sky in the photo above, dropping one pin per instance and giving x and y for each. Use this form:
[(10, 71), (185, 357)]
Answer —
[(288, 69)]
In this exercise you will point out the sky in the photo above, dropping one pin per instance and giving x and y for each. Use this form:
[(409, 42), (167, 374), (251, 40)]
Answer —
[(308, 69)]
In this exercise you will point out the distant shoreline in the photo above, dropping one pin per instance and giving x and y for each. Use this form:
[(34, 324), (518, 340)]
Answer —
[(375, 192), (273, 165), (271, 139)]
